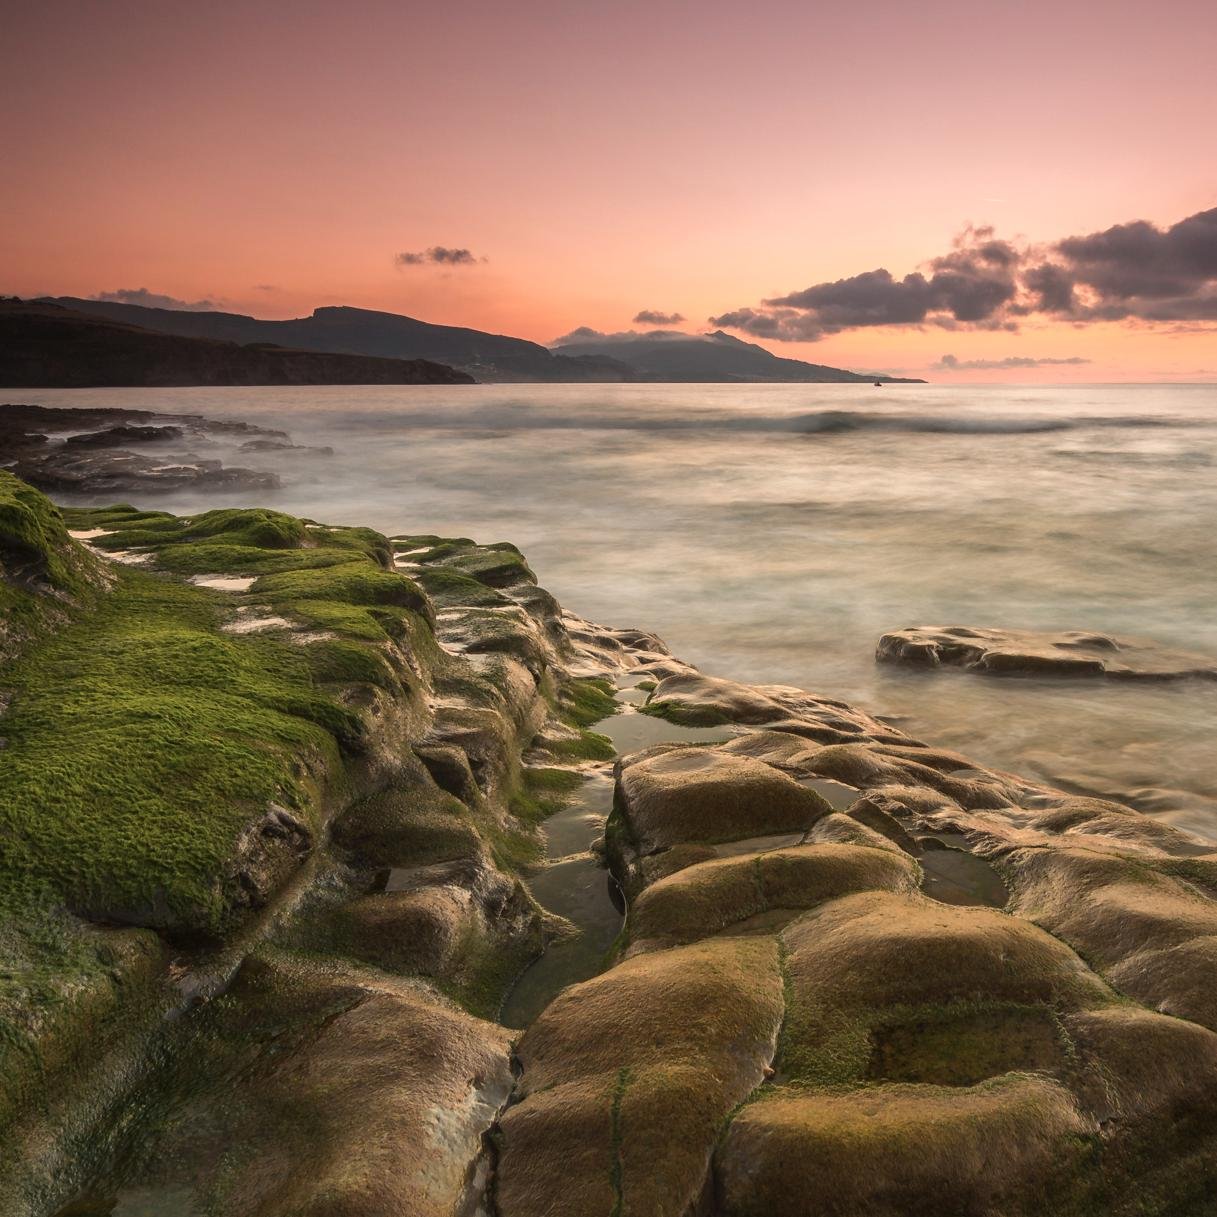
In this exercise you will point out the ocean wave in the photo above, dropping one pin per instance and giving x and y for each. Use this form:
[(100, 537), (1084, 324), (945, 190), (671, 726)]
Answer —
[(854, 420), (506, 417)]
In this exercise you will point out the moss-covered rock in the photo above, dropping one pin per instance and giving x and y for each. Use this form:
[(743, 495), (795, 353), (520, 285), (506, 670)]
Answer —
[(43, 572), (902, 1150), (628, 1078), (322, 1091), (708, 897), (670, 796)]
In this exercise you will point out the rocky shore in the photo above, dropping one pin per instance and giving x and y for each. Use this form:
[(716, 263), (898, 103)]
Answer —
[(273, 821), (90, 451), (1005, 652)]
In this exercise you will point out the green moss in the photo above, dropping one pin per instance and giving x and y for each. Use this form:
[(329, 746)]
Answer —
[(515, 842), (257, 527), (341, 661), (952, 1046), (513, 849), (356, 599), (543, 792), (587, 746), (487, 967), (616, 1140), (116, 513), (237, 541), (364, 540), (435, 548), (450, 587), (547, 779), (583, 703), (42, 570), (685, 715), (497, 565), (959, 1043), (350, 583), (34, 540), (141, 742), (208, 558), (494, 565)]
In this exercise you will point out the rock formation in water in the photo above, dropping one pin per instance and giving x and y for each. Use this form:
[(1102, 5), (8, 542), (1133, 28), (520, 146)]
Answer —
[(267, 809), (45, 345), (1028, 653), (88, 451)]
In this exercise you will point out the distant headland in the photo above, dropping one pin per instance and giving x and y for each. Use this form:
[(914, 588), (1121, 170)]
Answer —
[(71, 342)]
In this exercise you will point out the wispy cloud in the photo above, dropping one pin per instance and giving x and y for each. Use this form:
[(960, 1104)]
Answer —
[(1131, 272), (948, 363), (146, 299), (438, 255)]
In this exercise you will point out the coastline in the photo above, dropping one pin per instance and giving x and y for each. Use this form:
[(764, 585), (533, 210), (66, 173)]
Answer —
[(757, 828)]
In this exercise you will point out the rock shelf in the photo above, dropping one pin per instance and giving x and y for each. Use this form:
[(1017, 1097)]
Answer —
[(266, 972)]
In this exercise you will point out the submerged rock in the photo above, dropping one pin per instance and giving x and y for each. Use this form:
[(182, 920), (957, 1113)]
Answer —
[(1002, 652), (85, 451), (121, 472)]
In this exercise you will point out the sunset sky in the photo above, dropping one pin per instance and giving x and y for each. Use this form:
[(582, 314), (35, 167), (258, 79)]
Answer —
[(596, 160)]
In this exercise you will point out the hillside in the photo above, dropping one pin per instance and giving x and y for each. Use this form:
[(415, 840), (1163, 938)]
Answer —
[(47, 345), (488, 357), (662, 355), (584, 355)]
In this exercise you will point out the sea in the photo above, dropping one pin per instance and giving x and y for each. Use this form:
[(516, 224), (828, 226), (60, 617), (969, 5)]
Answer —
[(772, 533)]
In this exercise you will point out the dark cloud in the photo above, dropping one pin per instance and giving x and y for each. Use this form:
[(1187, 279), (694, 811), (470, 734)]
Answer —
[(1140, 262), (650, 316), (1135, 272), (438, 255), (146, 299), (949, 363)]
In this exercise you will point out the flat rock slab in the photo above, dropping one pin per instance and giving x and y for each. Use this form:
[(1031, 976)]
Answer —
[(1002, 652)]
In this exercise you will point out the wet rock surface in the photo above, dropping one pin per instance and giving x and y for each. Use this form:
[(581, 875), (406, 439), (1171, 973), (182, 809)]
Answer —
[(855, 974), (87, 451), (1002, 652), (968, 962)]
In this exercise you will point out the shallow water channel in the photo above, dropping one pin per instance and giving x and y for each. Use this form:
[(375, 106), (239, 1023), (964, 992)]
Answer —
[(572, 881)]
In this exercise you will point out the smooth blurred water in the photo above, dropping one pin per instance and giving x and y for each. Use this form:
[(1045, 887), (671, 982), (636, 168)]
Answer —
[(773, 532)]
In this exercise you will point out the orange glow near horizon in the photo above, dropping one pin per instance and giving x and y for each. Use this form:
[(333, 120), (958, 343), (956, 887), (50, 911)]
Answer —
[(274, 157)]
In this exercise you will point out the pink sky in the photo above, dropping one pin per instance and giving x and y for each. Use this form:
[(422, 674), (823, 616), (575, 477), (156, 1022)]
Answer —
[(602, 158)]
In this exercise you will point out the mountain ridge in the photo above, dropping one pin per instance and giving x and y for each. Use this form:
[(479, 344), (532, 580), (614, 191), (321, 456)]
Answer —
[(715, 357), (344, 329), (46, 345)]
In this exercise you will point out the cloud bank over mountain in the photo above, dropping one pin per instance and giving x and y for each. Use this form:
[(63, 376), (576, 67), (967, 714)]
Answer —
[(650, 316), (146, 299), (1130, 272)]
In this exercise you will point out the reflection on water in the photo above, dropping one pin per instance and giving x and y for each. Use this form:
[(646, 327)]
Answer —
[(773, 532)]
